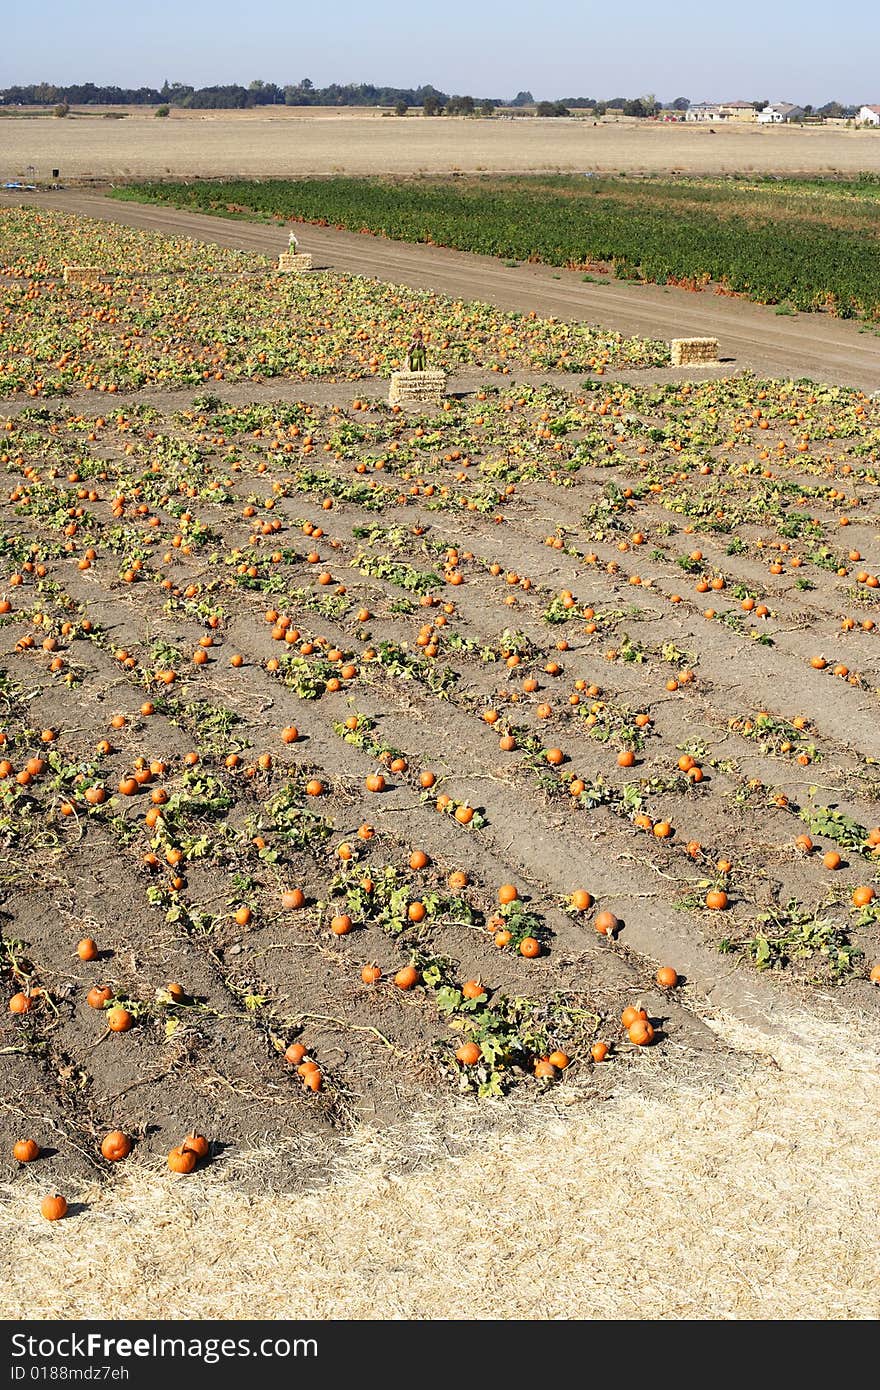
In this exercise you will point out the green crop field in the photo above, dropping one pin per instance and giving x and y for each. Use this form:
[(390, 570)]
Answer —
[(810, 244)]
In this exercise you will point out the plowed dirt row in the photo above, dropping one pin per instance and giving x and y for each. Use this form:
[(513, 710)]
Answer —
[(254, 986)]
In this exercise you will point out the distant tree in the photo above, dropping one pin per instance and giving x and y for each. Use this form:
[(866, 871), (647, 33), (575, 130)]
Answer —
[(176, 93), (432, 105), (229, 98), (551, 108), (87, 94), (401, 108), (61, 110), (264, 93), (832, 110), (808, 110), (487, 107), (759, 105), (302, 93), (523, 99), (634, 108), (164, 110), (680, 104)]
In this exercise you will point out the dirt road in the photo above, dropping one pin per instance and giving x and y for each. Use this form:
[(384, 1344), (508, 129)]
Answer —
[(752, 336)]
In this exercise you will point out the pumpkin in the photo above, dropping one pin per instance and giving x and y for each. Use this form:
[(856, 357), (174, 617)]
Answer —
[(182, 1159), (53, 1206)]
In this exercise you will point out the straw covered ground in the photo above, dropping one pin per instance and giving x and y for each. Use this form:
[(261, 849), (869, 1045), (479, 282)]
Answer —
[(681, 1199)]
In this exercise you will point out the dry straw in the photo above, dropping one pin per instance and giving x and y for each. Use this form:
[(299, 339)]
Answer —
[(748, 1192), (688, 352)]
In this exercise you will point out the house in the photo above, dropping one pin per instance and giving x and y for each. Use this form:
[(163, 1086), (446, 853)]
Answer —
[(737, 111), (779, 111), (702, 111), (721, 111), (869, 115)]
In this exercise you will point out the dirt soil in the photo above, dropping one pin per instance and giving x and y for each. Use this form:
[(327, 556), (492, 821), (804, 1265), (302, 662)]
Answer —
[(751, 336), (253, 987)]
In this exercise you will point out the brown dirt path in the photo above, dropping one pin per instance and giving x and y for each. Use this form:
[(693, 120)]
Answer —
[(752, 336), (320, 391)]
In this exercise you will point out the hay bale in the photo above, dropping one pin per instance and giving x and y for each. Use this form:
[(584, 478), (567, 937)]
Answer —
[(82, 274), (688, 352), (417, 388), (290, 264)]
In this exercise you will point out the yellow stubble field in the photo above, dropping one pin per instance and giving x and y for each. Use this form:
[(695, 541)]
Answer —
[(290, 141)]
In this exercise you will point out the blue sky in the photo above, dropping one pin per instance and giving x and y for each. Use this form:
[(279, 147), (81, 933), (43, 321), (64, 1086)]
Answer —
[(750, 49)]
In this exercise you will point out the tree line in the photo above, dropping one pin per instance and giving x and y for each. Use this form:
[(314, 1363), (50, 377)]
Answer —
[(430, 99), (233, 96)]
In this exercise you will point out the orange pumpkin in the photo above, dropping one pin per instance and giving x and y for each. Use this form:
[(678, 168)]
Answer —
[(115, 1146), (182, 1159)]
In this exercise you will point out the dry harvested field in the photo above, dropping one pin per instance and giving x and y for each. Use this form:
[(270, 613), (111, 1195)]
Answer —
[(360, 771), (284, 142)]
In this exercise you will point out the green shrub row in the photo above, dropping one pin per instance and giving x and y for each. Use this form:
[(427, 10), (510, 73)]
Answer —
[(809, 265)]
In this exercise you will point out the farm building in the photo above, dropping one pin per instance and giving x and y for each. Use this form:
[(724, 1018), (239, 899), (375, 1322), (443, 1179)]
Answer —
[(721, 111), (778, 112), (869, 115)]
